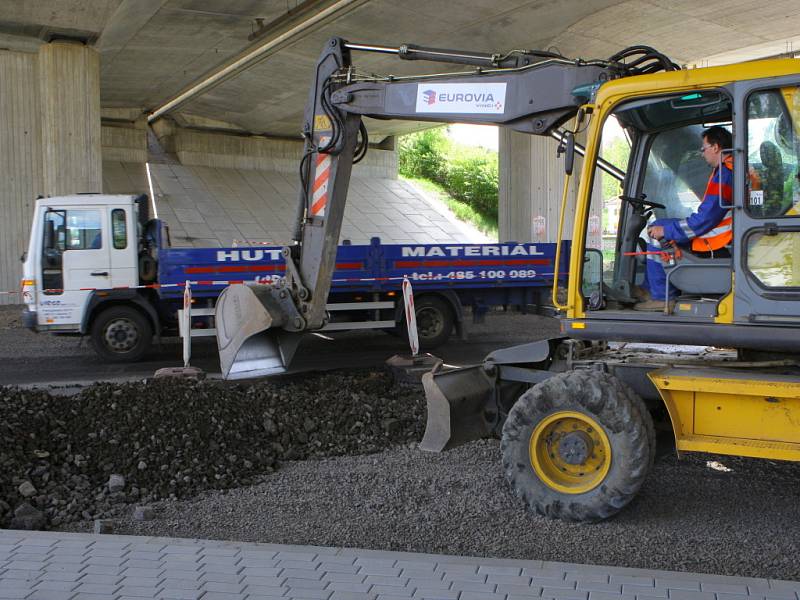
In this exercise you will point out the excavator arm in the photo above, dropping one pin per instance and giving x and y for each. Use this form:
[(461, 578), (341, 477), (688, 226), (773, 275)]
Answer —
[(259, 326)]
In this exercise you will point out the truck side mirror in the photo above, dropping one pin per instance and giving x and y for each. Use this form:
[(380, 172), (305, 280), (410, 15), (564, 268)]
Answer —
[(567, 148), (49, 235)]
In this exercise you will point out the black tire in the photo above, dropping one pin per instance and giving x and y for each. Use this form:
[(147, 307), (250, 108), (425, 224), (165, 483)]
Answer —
[(435, 322), (615, 437), (121, 334)]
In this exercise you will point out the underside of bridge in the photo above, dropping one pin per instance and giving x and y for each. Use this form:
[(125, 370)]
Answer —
[(80, 78)]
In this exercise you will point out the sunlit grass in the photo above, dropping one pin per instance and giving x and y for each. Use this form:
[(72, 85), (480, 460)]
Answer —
[(462, 210)]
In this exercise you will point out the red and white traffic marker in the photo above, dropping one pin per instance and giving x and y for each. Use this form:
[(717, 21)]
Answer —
[(411, 316)]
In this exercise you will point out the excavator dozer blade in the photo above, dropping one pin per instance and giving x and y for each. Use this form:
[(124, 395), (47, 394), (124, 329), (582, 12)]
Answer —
[(457, 407), (250, 341)]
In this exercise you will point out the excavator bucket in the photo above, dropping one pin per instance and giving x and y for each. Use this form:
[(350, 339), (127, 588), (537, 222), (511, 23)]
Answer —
[(249, 335), (458, 402), (464, 404)]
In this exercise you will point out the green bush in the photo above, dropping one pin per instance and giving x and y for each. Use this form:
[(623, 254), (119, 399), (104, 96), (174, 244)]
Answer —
[(467, 174), (423, 154)]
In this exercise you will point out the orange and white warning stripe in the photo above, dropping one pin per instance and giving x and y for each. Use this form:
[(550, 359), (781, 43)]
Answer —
[(319, 191)]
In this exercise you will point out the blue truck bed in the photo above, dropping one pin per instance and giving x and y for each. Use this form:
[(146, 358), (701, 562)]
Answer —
[(374, 267)]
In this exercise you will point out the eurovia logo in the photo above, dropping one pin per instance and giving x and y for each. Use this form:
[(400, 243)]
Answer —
[(430, 96)]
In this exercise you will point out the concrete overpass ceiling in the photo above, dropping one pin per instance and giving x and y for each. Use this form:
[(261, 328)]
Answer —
[(152, 49)]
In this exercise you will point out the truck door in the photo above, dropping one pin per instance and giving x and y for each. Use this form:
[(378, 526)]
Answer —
[(123, 247), (767, 229), (75, 260)]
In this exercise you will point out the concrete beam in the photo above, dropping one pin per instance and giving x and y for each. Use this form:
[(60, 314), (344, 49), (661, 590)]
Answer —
[(305, 19)]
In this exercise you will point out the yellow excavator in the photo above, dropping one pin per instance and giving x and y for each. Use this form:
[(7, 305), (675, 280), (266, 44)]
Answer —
[(576, 412)]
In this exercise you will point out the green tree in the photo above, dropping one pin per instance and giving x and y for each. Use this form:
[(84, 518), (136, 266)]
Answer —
[(468, 174)]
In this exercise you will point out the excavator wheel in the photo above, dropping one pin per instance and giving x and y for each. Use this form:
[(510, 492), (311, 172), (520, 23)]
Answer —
[(578, 446)]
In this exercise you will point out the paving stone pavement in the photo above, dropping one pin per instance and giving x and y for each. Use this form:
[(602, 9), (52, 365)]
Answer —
[(76, 566)]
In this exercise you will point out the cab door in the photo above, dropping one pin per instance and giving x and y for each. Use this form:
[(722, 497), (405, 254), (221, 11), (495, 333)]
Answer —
[(76, 256), (767, 227)]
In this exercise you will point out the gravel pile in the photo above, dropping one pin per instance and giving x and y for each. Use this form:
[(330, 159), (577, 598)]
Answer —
[(87, 456), (732, 517)]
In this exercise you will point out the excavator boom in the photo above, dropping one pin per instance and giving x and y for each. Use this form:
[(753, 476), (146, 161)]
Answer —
[(259, 327)]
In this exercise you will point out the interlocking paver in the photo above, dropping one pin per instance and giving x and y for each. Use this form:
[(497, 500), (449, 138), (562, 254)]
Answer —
[(382, 580), (101, 579), (56, 586), (220, 577), (345, 586), (50, 595), (138, 591), (520, 590), (259, 572), (610, 596), (690, 595), (433, 594), (633, 580), (267, 580), (309, 594), (85, 567), (302, 574), (232, 588), (265, 590), (311, 584), (61, 576), (14, 593), (180, 594), (22, 574), (650, 592), (350, 596), (303, 556), (481, 596), (678, 584), (391, 590), (103, 569), (390, 571)]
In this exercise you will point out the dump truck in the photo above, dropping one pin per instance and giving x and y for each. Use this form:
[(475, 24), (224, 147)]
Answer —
[(98, 266), (575, 413)]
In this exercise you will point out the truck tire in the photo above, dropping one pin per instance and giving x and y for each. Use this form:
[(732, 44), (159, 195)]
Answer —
[(121, 334), (435, 321), (577, 446)]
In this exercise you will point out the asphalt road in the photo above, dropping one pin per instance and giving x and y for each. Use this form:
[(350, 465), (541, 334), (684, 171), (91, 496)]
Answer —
[(27, 358)]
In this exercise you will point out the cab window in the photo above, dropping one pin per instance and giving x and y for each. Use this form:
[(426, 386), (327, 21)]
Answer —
[(119, 229), (84, 230), (772, 153)]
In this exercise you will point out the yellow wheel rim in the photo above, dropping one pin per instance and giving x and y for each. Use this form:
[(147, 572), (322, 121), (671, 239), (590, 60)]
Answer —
[(570, 452)]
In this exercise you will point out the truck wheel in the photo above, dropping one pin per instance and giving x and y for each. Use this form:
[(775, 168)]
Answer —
[(435, 321), (121, 334), (577, 446)]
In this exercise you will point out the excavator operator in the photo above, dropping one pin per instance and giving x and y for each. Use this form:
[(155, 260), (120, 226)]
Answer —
[(706, 232)]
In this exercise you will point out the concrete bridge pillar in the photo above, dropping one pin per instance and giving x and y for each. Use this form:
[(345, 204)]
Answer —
[(69, 84), (49, 139), (531, 183)]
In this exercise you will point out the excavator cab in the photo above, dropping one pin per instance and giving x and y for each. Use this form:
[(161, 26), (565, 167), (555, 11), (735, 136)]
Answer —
[(750, 285)]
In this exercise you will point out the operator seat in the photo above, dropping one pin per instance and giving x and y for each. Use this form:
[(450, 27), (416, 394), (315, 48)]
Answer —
[(693, 274)]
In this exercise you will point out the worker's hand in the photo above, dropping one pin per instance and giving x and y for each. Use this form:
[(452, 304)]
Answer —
[(656, 232)]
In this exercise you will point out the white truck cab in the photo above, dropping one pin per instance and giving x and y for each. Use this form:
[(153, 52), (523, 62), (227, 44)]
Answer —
[(82, 248)]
